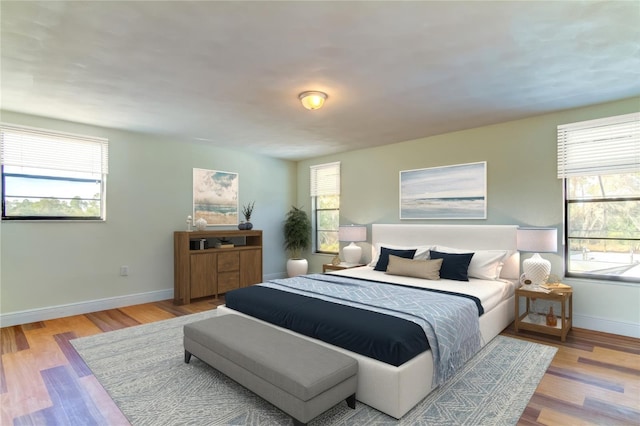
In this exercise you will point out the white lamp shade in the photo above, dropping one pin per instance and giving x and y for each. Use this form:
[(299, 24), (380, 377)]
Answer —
[(352, 233), (539, 240)]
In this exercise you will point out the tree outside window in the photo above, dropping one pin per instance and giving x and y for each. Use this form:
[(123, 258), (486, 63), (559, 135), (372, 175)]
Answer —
[(327, 222)]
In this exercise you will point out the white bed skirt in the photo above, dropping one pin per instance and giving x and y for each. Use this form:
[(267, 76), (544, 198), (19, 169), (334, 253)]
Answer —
[(396, 390)]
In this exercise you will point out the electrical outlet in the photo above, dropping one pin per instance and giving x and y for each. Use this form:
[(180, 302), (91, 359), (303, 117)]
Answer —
[(124, 270)]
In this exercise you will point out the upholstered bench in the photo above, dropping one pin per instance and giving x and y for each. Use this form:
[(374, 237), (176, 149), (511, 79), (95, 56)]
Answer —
[(298, 376)]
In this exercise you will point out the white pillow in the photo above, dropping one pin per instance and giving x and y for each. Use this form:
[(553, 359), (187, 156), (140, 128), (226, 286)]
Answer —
[(422, 252), (485, 264)]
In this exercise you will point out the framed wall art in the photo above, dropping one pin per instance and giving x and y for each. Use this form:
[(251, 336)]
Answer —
[(447, 192), (215, 197)]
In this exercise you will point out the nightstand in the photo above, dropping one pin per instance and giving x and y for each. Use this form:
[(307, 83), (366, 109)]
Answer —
[(331, 267), (537, 321)]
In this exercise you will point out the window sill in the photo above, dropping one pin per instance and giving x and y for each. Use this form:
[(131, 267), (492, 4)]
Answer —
[(576, 280)]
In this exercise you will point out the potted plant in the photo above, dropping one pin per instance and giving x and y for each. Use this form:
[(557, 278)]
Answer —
[(297, 238), (247, 211)]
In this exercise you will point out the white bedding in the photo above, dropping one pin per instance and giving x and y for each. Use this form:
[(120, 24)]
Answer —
[(490, 293)]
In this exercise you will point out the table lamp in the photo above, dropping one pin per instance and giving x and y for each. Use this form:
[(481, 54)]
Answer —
[(353, 234), (538, 240)]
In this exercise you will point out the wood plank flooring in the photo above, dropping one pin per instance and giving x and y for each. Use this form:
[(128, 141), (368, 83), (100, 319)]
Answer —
[(594, 378)]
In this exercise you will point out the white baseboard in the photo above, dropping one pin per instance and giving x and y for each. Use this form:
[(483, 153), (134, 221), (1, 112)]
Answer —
[(606, 325), (79, 308), (60, 311)]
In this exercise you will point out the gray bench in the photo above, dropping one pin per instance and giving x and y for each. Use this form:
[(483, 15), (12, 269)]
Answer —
[(298, 376)]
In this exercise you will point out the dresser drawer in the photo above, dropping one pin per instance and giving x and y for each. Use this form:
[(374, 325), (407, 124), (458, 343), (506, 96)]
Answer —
[(229, 261), (228, 281)]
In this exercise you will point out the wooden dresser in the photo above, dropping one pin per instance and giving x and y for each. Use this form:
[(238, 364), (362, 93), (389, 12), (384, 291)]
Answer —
[(213, 271)]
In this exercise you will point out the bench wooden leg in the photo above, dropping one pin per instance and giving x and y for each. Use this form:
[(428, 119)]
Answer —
[(187, 356)]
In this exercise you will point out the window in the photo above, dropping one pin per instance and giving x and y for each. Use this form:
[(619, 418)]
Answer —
[(600, 163), (325, 194), (52, 176)]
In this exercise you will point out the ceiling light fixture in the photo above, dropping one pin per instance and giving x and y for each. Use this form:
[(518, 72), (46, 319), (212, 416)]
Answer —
[(312, 100)]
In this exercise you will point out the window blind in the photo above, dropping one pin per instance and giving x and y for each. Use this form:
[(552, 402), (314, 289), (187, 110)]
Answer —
[(597, 147), (43, 149), (325, 179)]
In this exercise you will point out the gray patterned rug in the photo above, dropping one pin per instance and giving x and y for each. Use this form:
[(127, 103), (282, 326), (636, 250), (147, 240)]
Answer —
[(143, 370)]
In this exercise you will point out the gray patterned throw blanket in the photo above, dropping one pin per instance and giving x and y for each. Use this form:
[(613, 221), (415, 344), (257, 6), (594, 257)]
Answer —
[(450, 323)]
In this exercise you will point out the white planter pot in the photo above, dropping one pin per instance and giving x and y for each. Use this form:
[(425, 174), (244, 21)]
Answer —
[(297, 267)]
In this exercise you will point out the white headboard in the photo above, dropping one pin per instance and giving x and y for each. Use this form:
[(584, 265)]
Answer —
[(472, 237)]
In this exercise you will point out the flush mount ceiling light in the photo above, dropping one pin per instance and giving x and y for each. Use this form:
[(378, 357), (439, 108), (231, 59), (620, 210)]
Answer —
[(312, 100)]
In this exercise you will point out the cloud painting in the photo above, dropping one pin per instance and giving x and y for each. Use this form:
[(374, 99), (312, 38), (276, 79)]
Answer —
[(215, 197)]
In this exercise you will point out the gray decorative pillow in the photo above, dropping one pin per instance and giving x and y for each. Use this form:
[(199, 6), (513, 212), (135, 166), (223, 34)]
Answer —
[(427, 269)]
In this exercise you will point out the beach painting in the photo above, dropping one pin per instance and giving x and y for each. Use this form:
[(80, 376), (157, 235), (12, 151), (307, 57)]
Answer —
[(448, 192), (215, 197)]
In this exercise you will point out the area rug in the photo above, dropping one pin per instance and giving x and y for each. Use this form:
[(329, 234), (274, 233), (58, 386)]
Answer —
[(143, 370)]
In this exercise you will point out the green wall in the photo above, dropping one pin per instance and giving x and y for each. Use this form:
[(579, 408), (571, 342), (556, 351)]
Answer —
[(149, 195), (522, 190)]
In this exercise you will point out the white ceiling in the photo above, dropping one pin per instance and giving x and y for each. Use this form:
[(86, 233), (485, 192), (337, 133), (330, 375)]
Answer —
[(229, 73)]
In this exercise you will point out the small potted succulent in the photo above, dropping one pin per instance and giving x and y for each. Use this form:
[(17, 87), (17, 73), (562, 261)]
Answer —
[(247, 211)]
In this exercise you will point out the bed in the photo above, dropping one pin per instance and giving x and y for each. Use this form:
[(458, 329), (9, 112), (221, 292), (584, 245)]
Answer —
[(393, 389)]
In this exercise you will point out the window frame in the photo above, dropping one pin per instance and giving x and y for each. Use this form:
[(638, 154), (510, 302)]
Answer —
[(592, 148), (25, 147), (567, 238), (327, 185), (317, 230)]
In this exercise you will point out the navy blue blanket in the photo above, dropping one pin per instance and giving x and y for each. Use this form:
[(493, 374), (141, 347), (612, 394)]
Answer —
[(383, 337)]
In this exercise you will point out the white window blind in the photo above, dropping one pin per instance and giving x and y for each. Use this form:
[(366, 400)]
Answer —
[(43, 149), (325, 179), (598, 147)]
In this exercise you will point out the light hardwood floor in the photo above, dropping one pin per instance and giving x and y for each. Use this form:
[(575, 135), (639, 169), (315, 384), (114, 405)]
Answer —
[(593, 379)]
